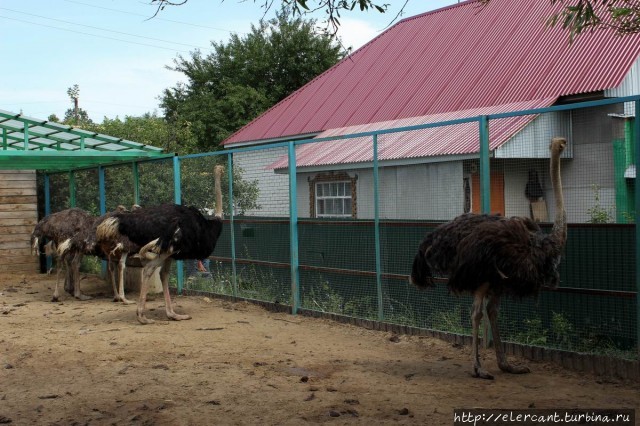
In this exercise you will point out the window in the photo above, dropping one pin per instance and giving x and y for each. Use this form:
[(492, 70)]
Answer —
[(333, 199), (333, 195)]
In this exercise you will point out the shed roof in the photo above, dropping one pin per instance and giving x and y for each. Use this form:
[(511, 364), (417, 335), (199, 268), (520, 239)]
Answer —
[(33, 144), (456, 58), (458, 139)]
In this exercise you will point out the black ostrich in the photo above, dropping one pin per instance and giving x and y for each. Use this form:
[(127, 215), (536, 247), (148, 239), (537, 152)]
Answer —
[(491, 256), (59, 228), (166, 232)]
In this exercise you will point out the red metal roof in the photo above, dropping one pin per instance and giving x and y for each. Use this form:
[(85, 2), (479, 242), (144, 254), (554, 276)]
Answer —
[(446, 140), (457, 58)]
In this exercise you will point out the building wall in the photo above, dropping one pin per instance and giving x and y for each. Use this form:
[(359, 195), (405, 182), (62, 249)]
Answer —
[(273, 196), (18, 216), (432, 191)]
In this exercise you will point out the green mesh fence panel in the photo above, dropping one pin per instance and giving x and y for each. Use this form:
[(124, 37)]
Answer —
[(593, 310), (87, 193), (59, 194), (156, 182), (119, 187)]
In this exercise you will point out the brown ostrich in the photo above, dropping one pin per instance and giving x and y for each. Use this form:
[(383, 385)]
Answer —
[(115, 252), (166, 232), (491, 256), (59, 228)]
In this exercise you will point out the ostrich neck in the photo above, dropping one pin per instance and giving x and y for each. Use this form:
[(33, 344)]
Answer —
[(560, 222)]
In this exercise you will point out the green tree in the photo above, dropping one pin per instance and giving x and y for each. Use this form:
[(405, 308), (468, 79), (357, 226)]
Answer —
[(76, 116), (243, 77), (577, 16)]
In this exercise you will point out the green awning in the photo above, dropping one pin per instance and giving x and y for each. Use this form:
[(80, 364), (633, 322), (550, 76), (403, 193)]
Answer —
[(31, 144)]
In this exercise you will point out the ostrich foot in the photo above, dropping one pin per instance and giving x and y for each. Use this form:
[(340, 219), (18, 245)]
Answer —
[(178, 317), (123, 300), (144, 320), (514, 369), (480, 373), (83, 297), (55, 299)]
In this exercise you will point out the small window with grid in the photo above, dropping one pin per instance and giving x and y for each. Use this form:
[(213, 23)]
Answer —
[(333, 199)]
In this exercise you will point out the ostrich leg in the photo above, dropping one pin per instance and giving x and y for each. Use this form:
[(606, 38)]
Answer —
[(74, 275), (493, 307), (476, 317), (147, 271), (164, 277), (112, 276), (120, 292), (59, 267)]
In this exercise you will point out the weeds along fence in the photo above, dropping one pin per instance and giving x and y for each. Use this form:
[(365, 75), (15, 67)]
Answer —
[(332, 224)]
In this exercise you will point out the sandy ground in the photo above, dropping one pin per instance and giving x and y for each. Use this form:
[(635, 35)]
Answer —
[(91, 363)]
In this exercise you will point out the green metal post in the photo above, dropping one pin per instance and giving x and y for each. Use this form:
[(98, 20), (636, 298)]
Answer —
[(103, 209), (5, 144), (177, 196), (485, 202), (485, 172), (82, 145), (636, 130), (136, 183), (72, 189), (293, 231), (47, 209), (26, 137), (376, 210), (232, 230)]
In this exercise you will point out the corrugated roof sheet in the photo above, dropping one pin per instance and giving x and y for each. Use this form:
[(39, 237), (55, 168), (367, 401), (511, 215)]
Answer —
[(457, 58), (455, 139)]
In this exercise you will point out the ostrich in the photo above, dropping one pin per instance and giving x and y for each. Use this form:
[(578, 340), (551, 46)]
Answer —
[(59, 228), (491, 256), (165, 232), (115, 252)]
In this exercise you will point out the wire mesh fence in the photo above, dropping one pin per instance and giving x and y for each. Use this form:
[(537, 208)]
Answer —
[(333, 224)]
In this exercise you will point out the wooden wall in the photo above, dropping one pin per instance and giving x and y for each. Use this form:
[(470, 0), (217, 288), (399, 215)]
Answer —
[(18, 216)]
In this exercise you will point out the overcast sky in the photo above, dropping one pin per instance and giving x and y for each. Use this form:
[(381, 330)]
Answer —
[(118, 56)]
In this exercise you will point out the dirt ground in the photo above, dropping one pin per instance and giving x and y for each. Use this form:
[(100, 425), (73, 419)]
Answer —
[(91, 363)]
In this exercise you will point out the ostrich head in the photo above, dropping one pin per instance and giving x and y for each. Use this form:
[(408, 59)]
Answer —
[(421, 275)]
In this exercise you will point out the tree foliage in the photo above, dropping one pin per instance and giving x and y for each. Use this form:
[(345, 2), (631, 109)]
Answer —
[(245, 76), (76, 116), (578, 16)]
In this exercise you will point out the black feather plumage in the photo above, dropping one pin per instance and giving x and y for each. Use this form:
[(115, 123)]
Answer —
[(183, 229)]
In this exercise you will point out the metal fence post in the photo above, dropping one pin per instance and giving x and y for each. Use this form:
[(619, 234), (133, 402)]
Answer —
[(293, 230), (234, 279), (136, 183), (636, 136), (376, 209), (485, 202), (103, 210), (485, 172), (47, 211), (177, 195)]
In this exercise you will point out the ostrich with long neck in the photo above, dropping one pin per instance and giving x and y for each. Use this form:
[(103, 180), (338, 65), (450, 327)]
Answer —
[(490, 256), (164, 233)]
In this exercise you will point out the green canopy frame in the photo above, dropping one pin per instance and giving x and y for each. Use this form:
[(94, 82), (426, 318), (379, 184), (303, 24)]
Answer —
[(31, 144)]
